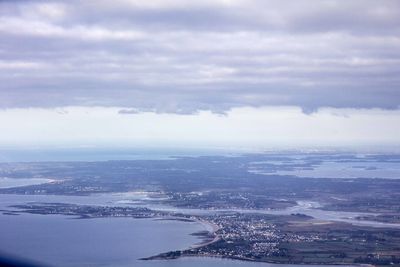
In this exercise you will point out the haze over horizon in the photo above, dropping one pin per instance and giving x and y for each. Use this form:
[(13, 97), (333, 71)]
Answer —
[(221, 73)]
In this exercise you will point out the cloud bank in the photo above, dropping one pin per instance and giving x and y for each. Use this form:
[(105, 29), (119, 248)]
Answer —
[(240, 128), (179, 56)]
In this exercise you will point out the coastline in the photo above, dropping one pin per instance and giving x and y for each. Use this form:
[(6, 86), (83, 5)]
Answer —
[(211, 228), (214, 228), (173, 256), (186, 253)]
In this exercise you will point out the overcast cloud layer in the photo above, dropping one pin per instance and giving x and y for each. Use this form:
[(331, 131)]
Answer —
[(182, 56)]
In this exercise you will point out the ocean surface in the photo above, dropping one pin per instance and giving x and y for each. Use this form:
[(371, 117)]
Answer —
[(362, 169), (6, 182), (93, 154), (56, 240)]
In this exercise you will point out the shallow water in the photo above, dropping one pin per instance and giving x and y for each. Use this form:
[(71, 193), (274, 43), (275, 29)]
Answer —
[(127, 199), (6, 182), (332, 169), (57, 240), (63, 241)]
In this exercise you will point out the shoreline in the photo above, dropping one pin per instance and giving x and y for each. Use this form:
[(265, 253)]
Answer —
[(214, 228), (186, 253), (234, 258), (204, 242)]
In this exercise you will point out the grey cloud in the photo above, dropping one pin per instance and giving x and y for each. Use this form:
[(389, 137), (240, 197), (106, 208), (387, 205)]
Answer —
[(355, 16), (179, 56)]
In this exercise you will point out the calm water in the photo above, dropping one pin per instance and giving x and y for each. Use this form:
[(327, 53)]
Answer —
[(93, 154), (61, 241), (56, 240), (140, 199), (6, 182), (361, 168), (388, 170)]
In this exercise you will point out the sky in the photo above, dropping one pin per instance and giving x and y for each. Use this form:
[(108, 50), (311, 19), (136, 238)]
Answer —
[(226, 73)]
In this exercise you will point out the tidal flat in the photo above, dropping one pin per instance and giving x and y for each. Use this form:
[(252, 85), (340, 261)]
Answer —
[(247, 210)]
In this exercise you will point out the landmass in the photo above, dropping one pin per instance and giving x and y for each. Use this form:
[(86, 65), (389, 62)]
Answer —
[(241, 199), (295, 238)]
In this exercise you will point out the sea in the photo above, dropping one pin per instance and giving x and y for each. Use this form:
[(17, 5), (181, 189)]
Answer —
[(67, 241), (61, 240)]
